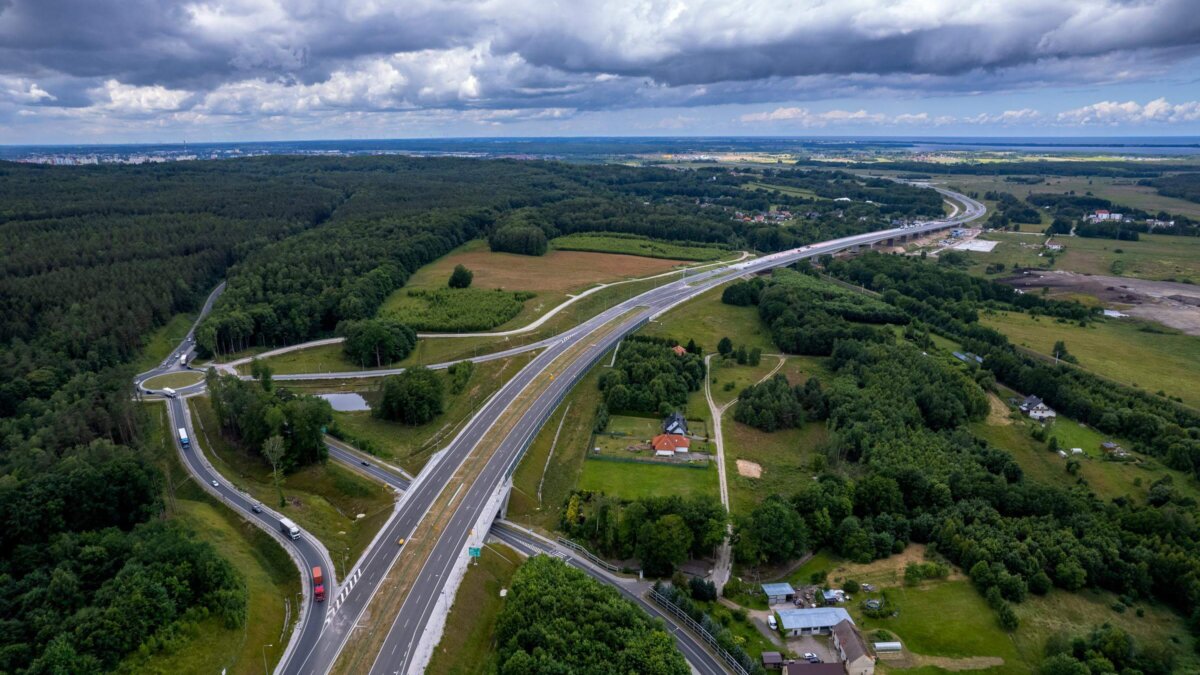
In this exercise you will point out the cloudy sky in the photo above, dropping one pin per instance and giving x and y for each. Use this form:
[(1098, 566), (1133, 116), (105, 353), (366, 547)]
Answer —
[(102, 71)]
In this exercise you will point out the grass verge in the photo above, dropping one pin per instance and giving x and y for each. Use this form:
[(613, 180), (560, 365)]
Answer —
[(467, 645)]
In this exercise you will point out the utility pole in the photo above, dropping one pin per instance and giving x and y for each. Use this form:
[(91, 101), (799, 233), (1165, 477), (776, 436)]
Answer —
[(264, 654)]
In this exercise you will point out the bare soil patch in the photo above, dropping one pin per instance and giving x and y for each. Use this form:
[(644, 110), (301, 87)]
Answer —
[(1169, 303), (557, 271), (998, 412), (749, 469), (948, 663)]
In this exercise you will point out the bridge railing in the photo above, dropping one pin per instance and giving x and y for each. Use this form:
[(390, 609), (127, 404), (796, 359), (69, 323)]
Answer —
[(662, 601), (588, 554)]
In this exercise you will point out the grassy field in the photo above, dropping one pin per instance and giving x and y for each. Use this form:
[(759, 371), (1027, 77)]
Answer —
[(948, 626), (467, 645), (323, 499), (729, 379), (1014, 251), (552, 276), (1124, 191), (270, 576), (160, 343), (635, 245), (454, 310), (1114, 348), (555, 467), (1106, 478), (411, 447), (785, 458), (331, 358), (783, 189), (180, 379), (1154, 256), (706, 320), (629, 480)]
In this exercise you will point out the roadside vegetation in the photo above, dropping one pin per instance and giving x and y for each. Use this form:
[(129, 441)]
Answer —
[(636, 245), (270, 576), (323, 498), (468, 644)]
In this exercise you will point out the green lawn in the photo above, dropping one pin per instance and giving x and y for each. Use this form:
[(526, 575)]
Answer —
[(467, 645), (706, 320), (180, 379), (784, 189), (454, 310), (323, 499), (1119, 349), (1013, 251), (637, 245), (948, 619), (270, 576), (409, 446), (160, 343), (629, 480)]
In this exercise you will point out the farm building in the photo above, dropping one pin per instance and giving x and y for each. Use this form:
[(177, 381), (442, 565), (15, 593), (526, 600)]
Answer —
[(819, 621), (852, 649), (782, 592)]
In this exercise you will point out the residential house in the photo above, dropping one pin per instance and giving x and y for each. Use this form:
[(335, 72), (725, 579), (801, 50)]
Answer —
[(675, 424), (852, 650), (1036, 409), (667, 445), (776, 593), (818, 621)]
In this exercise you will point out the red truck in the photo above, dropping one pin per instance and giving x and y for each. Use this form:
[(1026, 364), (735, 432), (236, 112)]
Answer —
[(318, 585)]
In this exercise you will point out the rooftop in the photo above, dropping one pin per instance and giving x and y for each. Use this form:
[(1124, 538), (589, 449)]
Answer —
[(778, 589), (820, 617)]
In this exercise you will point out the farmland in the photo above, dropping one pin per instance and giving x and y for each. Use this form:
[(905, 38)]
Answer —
[(629, 480), (1123, 191)]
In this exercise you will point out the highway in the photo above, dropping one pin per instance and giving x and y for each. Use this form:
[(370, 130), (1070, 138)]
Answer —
[(326, 627), (529, 545), (399, 652)]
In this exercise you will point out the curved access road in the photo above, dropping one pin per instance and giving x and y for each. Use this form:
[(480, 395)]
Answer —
[(401, 650)]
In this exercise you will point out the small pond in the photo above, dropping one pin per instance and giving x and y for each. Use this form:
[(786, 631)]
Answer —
[(346, 402)]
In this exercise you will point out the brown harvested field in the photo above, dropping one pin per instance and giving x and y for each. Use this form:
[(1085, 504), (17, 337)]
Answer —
[(555, 272)]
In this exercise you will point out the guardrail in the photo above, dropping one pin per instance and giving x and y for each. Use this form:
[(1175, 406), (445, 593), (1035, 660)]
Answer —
[(588, 554), (662, 601)]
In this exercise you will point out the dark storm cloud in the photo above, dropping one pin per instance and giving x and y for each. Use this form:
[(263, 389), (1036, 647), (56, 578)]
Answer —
[(308, 57)]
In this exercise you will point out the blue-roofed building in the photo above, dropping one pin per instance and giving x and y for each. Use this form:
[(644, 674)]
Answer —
[(781, 592), (819, 621)]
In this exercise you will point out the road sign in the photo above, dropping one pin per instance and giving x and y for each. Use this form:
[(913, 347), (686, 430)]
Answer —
[(474, 551)]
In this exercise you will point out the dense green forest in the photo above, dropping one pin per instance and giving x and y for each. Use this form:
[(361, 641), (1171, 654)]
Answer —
[(899, 417), (94, 259), (557, 619), (1181, 185), (649, 377)]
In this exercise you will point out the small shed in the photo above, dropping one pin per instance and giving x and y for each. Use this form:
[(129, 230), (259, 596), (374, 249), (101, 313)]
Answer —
[(772, 660), (885, 647), (776, 593)]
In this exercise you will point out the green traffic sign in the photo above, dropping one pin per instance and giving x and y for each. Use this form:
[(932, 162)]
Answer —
[(474, 551)]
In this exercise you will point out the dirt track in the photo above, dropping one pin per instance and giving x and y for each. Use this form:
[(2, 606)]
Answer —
[(1169, 303)]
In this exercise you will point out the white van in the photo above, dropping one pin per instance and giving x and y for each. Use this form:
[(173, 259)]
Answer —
[(772, 622)]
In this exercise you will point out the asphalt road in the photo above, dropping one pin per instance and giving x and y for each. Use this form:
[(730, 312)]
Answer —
[(325, 630), (306, 550), (408, 625)]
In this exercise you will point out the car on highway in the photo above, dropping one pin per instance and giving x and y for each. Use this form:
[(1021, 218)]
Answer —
[(400, 541), (215, 483), (257, 508), (364, 462)]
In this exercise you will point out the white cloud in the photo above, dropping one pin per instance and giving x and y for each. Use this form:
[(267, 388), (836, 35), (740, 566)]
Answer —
[(1113, 113), (129, 99), (1006, 118), (20, 90)]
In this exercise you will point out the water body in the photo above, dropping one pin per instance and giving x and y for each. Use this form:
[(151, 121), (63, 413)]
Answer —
[(346, 402)]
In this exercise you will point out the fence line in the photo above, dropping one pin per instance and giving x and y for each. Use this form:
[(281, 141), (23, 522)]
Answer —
[(699, 630)]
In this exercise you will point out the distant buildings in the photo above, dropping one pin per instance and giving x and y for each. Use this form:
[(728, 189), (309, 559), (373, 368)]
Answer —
[(1103, 215)]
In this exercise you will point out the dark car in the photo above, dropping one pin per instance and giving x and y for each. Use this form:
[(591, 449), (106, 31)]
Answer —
[(364, 462)]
